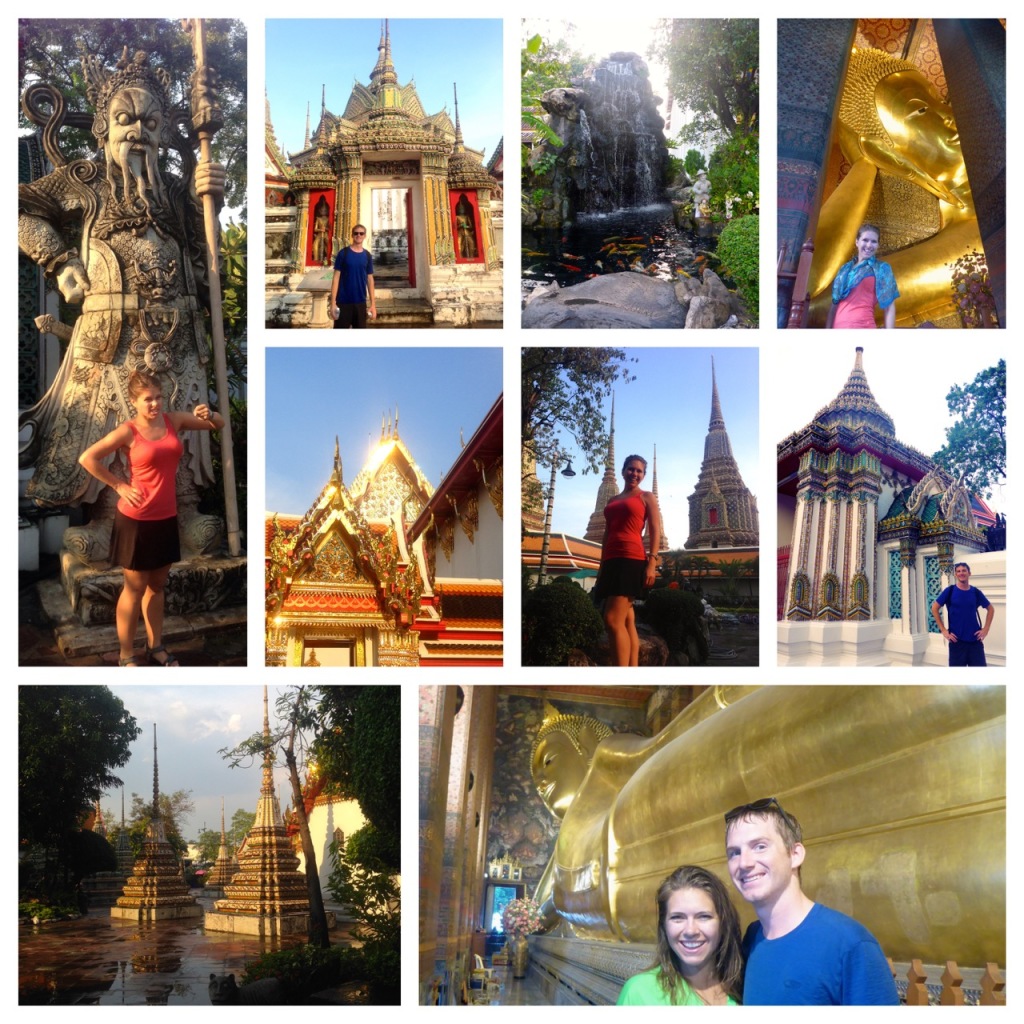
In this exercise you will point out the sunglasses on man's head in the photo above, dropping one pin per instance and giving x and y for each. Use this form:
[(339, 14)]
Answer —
[(757, 807)]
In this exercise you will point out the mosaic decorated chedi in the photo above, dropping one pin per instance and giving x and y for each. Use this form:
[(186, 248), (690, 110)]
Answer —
[(268, 894), (723, 512), (156, 889), (876, 527)]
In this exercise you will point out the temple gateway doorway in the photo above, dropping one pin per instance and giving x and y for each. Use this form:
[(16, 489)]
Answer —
[(390, 219)]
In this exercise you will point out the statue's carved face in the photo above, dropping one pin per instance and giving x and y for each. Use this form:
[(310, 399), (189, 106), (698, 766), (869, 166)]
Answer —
[(135, 120), (921, 126), (558, 772)]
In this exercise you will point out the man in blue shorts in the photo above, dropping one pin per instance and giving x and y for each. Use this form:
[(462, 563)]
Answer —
[(353, 278), (966, 634), (797, 952)]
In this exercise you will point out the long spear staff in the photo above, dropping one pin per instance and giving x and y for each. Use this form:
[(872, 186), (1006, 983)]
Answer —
[(207, 119)]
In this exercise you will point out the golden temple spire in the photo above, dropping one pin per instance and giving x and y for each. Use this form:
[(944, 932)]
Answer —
[(383, 72)]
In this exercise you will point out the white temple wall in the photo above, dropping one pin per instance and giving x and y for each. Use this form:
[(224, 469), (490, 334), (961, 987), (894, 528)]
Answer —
[(325, 817), (481, 558)]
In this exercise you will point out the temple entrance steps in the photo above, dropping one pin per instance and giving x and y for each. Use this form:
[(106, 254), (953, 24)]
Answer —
[(398, 310)]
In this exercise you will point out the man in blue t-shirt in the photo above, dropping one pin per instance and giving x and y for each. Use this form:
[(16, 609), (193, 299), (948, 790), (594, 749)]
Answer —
[(797, 952), (966, 634), (353, 278)]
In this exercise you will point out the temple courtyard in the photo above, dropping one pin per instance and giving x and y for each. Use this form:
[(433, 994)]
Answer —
[(100, 961)]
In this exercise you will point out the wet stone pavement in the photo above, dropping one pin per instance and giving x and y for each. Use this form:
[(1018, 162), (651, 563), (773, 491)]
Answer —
[(98, 961)]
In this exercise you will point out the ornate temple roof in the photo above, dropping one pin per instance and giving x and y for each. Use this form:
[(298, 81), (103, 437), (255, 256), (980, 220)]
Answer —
[(384, 114), (465, 166), (855, 405), (852, 421)]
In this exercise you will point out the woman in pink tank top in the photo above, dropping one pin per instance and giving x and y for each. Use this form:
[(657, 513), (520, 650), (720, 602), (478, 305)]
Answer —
[(144, 538), (862, 283), (626, 569)]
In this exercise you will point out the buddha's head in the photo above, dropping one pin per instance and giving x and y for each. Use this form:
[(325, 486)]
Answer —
[(562, 754), (892, 115)]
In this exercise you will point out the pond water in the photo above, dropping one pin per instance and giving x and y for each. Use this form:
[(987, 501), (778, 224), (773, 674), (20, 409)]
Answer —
[(644, 239)]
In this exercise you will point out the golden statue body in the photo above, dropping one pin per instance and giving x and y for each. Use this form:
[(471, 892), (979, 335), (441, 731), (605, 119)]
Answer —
[(892, 122), (901, 791)]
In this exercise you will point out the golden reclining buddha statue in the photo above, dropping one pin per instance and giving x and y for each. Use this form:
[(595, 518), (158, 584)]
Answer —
[(901, 792), (893, 125)]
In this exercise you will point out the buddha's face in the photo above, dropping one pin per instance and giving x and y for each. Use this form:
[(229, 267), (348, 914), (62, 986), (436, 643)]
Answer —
[(921, 126), (558, 772)]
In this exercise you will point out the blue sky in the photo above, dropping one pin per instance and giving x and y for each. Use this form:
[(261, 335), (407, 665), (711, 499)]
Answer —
[(435, 52), (669, 405), (314, 394), (193, 723)]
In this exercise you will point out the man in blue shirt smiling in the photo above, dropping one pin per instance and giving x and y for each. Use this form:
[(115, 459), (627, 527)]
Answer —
[(965, 634), (797, 952)]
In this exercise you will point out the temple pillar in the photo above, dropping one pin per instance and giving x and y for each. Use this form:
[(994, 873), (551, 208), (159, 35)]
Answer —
[(437, 706), (809, 91), (440, 246), (973, 55), (449, 941), (346, 211), (481, 757), (302, 227)]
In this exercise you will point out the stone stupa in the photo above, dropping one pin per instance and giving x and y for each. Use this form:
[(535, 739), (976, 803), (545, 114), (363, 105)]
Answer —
[(156, 890), (268, 895), (226, 865)]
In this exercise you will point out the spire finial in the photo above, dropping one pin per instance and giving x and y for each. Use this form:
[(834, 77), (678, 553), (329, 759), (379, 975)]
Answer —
[(459, 143), (268, 752), (305, 141)]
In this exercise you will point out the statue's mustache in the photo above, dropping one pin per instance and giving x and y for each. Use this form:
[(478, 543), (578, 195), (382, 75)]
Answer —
[(148, 177)]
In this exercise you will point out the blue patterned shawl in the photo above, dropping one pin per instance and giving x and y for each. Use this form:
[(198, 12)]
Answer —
[(851, 274)]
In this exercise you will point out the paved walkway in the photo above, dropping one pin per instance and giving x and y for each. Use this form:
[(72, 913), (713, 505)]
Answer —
[(102, 962)]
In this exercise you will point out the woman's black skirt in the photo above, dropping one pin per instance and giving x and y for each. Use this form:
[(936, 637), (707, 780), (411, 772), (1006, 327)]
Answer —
[(144, 544), (620, 577)]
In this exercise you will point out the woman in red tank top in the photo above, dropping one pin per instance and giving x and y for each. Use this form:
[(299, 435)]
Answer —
[(626, 569), (144, 539)]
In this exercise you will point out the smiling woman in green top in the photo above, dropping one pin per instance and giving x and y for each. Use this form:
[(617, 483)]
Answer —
[(699, 958)]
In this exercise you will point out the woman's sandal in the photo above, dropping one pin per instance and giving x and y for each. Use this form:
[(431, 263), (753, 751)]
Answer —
[(131, 661), (169, 661)]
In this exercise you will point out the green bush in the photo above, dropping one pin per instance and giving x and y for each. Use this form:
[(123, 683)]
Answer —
[(675, 615), (733, 168), (556, 618), (694, 161), (738, 252)]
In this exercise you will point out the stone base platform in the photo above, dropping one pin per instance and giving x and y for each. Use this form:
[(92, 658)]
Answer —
[(75, 639), (156, 913), (201, 584), (263, 925)]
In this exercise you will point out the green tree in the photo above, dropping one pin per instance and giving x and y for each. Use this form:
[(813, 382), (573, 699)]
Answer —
[(70, 740), (545, 66), (975, 445), (208, 840), (48, 52), (693, 162), (174, 808), (357, 751), (563, 390), (713, 72)]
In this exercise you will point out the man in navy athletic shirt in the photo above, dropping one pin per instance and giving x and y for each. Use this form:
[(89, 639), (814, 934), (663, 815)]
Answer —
[(353, 277), (797, 952), (966, 634)]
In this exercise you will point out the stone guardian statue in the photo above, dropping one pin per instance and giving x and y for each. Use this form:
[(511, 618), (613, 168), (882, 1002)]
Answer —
[(120, 237)]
